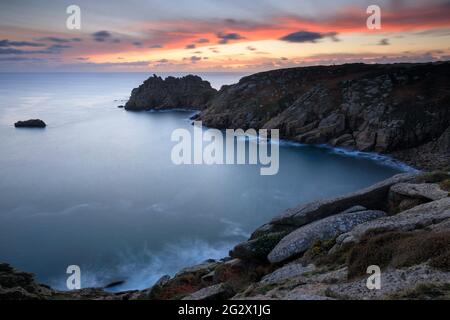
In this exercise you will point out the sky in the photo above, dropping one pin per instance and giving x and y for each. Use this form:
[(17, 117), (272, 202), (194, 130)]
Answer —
[(217, 35)]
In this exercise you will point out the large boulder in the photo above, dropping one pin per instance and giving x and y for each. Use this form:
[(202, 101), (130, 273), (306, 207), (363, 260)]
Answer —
[(425, 191), (304, 237), (373, 197), (419, 217), (288, 271), (189, 92), (214, 292), (404, 196)]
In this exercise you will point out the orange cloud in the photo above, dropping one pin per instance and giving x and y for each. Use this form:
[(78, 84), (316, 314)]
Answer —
[(350, 20)]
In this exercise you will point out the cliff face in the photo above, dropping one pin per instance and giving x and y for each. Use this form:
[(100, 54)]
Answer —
[(400, 109), (157, 93)]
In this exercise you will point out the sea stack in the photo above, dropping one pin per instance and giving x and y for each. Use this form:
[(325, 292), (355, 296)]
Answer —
[(156, 93)]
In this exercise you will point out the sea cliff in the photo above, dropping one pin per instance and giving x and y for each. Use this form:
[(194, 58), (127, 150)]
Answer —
[(401, 110)]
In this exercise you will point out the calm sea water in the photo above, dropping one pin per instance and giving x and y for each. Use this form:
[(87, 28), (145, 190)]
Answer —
[(97, 187)]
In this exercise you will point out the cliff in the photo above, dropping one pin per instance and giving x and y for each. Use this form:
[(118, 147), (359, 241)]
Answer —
[(397, 109)]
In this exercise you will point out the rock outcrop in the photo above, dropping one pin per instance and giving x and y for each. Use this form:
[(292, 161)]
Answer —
[(303, 238), (189, 92), (371, 197), (18, 285), (398, 109), (33, 123)]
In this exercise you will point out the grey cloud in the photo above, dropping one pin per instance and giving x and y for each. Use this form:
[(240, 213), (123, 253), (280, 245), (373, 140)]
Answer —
[(8, 43), (54, 49), (308, 36), (384, 42), (190, 46), (13, 51), (58, 47), (224, 38), (60, 40), (21, 59), (101, 36), (193, 59)]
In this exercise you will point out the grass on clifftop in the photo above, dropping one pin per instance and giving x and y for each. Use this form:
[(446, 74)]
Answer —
[(434, 177), (400, 249), (385, 249), (425, 291)]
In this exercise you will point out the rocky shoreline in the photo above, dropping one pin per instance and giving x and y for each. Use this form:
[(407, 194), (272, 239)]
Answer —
[(320, 250)]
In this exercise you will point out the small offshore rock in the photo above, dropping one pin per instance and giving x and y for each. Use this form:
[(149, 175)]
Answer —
[(33, 123)]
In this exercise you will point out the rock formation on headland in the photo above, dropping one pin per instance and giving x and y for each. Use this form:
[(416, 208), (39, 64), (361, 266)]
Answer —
[(189, 92), (319, 250), (33, 123), (397, 109)]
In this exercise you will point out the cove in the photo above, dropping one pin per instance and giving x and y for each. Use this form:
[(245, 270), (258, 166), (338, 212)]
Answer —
[(98, 188)]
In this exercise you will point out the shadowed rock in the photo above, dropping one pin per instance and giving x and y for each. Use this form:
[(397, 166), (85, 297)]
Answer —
[(189, 92), (33, 123)]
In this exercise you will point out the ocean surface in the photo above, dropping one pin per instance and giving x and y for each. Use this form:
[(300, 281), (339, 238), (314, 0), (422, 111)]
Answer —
[(97, 187)]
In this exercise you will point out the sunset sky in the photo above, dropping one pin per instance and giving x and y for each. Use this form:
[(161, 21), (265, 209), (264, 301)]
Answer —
[(217, 35)]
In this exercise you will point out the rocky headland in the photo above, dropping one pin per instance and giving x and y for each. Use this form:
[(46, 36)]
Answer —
[(320, 250), (189, 92), (402, 110), (398, 109)]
